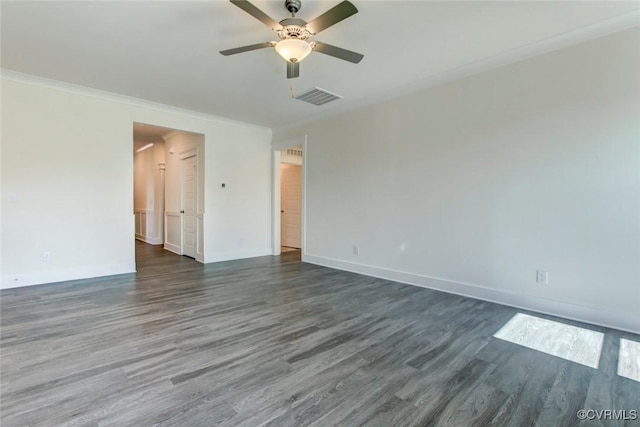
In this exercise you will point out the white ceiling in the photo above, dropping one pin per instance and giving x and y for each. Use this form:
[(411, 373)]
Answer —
[(167, 52), (144, 133)]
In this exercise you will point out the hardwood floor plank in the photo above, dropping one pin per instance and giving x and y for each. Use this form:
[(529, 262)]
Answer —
[(273, 341), (441, 399), (567, 395), (478, 409)]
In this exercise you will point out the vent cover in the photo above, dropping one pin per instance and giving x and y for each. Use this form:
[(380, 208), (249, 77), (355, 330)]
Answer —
[(317, 96), (294, 152)]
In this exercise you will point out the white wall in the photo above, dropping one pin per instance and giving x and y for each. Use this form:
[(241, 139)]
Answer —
[(472, 186), (66, 154), (236, 225)]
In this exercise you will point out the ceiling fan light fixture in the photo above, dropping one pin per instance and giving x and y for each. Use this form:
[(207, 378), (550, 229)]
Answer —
[(293, 50)]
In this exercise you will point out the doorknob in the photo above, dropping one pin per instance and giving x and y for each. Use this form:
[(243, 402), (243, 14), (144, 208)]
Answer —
[(181, 211), (281, 211)]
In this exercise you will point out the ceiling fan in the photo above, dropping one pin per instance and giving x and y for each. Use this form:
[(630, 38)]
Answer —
[(294, 34)]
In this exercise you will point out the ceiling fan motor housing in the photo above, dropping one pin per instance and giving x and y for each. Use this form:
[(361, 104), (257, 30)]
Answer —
[(293, 6), (293, 28)]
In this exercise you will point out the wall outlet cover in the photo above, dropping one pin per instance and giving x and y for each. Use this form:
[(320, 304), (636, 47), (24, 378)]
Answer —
[(542, 276)]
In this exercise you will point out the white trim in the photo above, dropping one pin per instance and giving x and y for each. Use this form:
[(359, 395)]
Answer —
[(617, 319), (172, 248), (149, 240), (176, 249), (116, 97), (581, 35), (143, 215), (235, 255), (570, 38), (62, 275), (275, 203), (303, 224), (289, 143), (200, 242), (192, 152)]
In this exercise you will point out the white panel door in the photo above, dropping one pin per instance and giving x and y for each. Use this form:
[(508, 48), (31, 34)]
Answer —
[(189, 206), (291, 205)]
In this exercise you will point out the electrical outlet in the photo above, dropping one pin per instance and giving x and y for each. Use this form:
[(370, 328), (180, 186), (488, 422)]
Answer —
[(46, 256), (542, 276), (356, 250)]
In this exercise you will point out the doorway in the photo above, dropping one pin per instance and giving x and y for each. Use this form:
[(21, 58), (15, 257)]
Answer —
[(290, 206), (148, 183), (289, 200), (169, 189)]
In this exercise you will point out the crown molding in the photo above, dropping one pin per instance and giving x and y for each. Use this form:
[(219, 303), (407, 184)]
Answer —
[(593, 31), (31, 79), (599, 29)]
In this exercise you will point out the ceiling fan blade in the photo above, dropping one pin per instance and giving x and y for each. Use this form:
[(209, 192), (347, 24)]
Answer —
[(338, 52), (246, 48), (257, 13), (332, 16), (293, 70)]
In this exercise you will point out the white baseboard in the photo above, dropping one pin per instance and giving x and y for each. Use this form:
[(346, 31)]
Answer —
[(29, 279), (231, 255), (616, 319), (172, 248), (149, 240)]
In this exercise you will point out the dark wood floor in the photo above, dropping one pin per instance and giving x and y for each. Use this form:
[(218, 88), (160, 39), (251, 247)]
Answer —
[(277, 342)]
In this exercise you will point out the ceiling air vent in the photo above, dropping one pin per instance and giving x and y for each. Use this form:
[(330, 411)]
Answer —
[(294, 152), (317, 96)]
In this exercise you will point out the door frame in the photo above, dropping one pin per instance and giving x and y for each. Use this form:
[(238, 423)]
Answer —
[(275, 193)]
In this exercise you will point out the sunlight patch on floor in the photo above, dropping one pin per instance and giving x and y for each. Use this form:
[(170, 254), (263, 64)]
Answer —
[(572, 343), (629, 360)]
